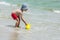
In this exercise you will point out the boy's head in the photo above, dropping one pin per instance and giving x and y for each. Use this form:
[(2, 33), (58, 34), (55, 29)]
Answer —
[(24, 7)]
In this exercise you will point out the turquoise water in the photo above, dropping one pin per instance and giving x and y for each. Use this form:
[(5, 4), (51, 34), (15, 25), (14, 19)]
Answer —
[(37, 3)]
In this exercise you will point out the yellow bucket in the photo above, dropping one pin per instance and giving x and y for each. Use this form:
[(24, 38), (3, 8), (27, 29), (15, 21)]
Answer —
[(28, 26)]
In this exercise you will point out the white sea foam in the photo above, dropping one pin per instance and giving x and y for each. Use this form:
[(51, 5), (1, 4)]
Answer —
[(56, 11), (7, 4)]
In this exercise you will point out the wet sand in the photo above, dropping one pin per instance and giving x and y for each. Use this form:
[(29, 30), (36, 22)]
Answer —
[(36, 33)]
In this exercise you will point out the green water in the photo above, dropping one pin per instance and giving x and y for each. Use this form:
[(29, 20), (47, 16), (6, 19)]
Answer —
[(55, 4)]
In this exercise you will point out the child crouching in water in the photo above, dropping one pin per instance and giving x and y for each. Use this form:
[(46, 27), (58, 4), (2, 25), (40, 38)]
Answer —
[(18, 15)]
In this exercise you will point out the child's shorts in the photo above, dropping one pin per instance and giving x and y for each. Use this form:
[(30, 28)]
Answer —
[(14, 16)]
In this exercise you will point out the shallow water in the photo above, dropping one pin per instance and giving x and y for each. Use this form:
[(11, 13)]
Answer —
[(42, 30)]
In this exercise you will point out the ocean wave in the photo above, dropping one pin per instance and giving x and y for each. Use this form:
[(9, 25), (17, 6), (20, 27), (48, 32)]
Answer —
[(56, 11), (52, 10), (7, 4)]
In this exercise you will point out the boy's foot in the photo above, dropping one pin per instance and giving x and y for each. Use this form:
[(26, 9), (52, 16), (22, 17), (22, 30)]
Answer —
[(18, 27)]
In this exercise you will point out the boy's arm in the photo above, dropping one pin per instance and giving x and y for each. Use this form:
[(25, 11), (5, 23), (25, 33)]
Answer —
[(23, 20)]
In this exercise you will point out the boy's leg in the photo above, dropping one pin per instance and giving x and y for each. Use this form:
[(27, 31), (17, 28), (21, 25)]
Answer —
[(15, 17), (17, 22)]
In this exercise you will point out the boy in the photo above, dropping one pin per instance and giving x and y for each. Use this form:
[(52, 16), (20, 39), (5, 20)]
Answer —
[(18, 15)]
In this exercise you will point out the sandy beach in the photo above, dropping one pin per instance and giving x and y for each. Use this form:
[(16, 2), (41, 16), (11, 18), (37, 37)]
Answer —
[(35, 33)]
